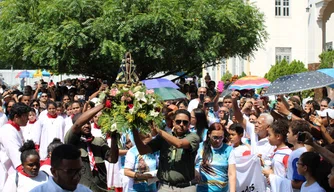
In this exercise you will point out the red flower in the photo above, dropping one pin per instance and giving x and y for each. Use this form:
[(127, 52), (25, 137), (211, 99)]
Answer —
[(130, 106), (108, 104)]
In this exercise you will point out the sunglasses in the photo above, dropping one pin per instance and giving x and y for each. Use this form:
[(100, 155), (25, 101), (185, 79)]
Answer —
[(178, 122), (35, 105), (44, 96)]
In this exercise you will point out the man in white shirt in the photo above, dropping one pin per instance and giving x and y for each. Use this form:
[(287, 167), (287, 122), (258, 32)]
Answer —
[(193, 104), (66, 167), (11, 139), (258, 133)]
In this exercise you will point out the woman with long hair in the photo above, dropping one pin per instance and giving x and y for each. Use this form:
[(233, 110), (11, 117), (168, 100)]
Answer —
[(199, 122), (215, 162), (307, 166), (28, 175)]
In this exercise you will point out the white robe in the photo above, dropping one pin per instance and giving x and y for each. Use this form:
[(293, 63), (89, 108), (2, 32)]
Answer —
[(68, 124), (3, 119), (50, 128), (95, 131), (51, 186), (30, 131), (10, 142), (24, 183)]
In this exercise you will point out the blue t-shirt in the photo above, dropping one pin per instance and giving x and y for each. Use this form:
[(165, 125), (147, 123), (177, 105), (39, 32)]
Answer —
[(215, 176), (141, 164)]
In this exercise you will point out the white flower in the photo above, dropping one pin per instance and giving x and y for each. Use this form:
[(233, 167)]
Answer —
[(151, 101), (154, 113), (113, 127), (140, 96), (131, 110)]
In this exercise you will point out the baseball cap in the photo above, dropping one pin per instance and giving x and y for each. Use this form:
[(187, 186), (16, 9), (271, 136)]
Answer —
[(324, 113)]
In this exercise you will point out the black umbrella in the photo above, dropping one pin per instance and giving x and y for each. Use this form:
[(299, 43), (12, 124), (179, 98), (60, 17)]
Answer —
[(299, 82)]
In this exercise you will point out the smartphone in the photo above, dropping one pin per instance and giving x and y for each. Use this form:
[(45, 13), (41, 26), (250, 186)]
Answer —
[(211, 104), (220, 86), (301, 136), (201, 97), (226, 117)]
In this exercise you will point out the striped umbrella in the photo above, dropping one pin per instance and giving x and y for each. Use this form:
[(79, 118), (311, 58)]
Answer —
[(250, 82)]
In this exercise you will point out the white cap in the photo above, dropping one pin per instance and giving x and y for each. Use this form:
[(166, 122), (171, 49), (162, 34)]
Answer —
[(324, 113)]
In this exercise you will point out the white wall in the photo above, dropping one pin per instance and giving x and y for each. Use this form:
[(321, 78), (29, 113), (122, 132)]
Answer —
[(288, 31), (8, 76)]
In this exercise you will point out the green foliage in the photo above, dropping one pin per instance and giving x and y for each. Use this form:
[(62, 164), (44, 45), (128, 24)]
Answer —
[(326, 59), (226, 76), (243, 74), (91, 37), (284, 68)]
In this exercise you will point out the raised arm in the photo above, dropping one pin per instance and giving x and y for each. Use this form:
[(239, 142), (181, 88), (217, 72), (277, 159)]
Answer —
[(142, 148), (85, 117), (237, 113)]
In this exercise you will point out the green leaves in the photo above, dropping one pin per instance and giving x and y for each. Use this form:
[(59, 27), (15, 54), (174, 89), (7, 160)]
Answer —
[(91, 36), (284, 68)]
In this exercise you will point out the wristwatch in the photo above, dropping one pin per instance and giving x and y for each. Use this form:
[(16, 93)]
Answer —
[(289, 117)]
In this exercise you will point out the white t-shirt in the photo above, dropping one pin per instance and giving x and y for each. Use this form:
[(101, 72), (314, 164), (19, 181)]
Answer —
[(30, 131), (292, 173), (24, 183), (96, 132), (315, 187), (242, 150), (280, 161), (3, 119), (193, 104), (259, 146)]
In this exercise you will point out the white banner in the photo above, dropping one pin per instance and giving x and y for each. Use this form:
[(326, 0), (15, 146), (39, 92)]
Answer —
[(249, 174)]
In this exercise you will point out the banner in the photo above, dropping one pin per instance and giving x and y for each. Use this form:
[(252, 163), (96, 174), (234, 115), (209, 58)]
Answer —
[(249, 174)]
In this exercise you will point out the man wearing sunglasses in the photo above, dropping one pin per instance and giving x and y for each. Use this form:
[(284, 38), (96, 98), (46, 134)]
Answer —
[(178, 150), (66, 167)]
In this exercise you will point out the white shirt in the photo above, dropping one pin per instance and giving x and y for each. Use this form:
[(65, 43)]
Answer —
[(259, 146), (47, 169), (51, 186), (50, 128), (193, 104), (3, 119), (24, 183), (10, 142), (315, 187), (30, 131), (292, 173), (241, 150)]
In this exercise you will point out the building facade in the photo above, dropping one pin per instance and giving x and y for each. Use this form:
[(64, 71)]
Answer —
[(298, 30)]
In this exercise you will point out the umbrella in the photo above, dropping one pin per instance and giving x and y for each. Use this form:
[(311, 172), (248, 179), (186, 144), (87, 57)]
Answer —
[(168, 93), (46, 73), (159, 83), (299, 82), (330, 72), (23, 74), (250, 82)]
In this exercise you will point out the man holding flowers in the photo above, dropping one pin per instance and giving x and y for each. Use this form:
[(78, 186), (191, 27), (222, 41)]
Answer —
[(177, 153)]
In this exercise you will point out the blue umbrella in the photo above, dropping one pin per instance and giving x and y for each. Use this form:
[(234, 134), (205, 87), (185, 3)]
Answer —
[(23, 74), (45, 73), (329, 72), (159, 83), (299, 82)]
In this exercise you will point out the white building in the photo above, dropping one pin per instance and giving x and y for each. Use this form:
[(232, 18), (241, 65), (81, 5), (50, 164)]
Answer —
[(298, 30)]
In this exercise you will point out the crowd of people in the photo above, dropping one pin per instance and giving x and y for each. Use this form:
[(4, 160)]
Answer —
[(50, 140)]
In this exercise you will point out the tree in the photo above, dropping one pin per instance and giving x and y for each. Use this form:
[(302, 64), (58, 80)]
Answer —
[(91, 37), (326, 59), (226, 76), (243, 74), (284, 68)]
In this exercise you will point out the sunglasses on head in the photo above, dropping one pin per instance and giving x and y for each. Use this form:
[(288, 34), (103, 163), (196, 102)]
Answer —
[(178, 122)]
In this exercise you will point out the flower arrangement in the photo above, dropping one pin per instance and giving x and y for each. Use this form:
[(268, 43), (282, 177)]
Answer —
[(129, 107)]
